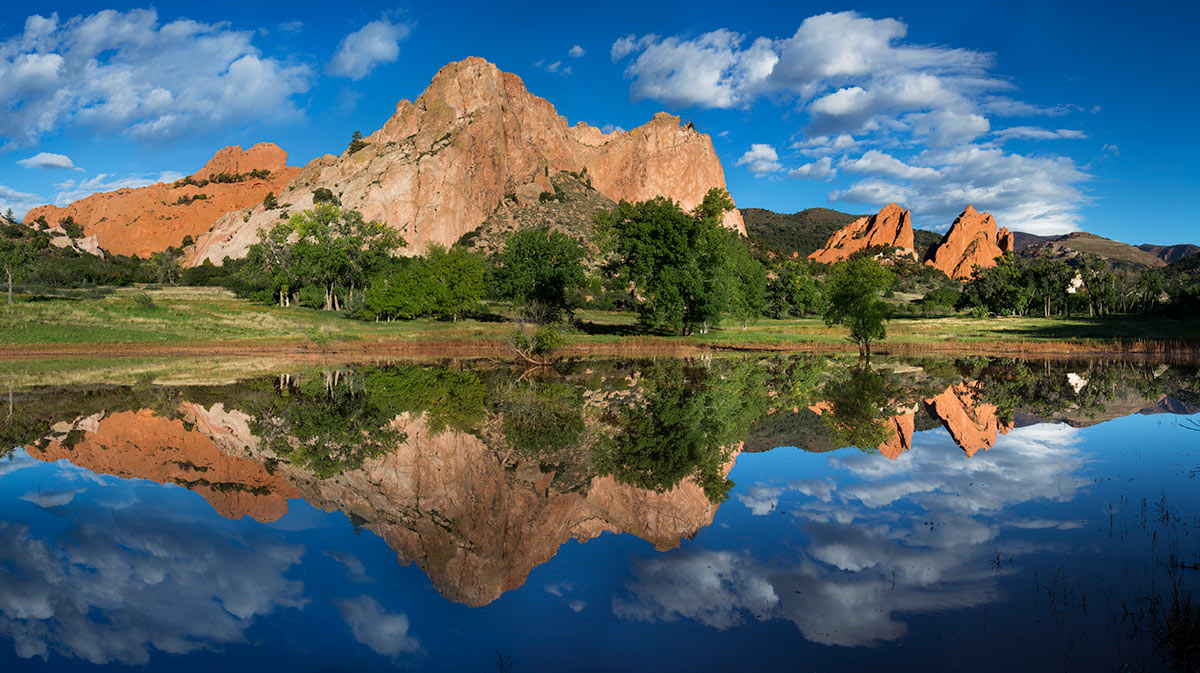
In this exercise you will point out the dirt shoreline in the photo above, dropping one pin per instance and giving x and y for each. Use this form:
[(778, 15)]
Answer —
[(633, 347)]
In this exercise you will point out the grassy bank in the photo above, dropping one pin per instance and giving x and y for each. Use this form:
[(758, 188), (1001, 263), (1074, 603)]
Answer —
[(198, 321)]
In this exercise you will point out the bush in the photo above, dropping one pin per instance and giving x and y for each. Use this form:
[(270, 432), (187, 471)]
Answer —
[(324, 195), (144, 301), (73, 228)]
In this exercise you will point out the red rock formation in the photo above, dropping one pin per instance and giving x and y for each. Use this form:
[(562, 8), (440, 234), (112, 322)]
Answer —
[(891, 227), (142, 445), (442, 164), (973, 425), (971, 241), (149, 219), (476, 525), (902, 427)]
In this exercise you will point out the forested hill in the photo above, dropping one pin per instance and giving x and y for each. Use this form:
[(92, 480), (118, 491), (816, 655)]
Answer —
[(808, 230)]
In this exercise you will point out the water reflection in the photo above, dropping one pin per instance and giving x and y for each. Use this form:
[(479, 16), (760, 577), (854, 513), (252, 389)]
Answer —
[(478, 475)]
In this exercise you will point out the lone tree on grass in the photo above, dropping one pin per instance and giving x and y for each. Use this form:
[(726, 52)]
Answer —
[(540, 270), (15, 255), (853, 290)]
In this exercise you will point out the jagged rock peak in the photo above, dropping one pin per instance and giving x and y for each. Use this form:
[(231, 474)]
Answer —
[(973, 240), (443, 162), (233, 160), (890, 227)]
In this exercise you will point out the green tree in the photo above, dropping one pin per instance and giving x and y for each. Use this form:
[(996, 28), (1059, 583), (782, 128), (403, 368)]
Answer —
[(792, 291), (677, 262), (541, 270), (1004, 289), (16, 254), (853, 290), (72, 228), (166, 266), (859, 412), (457, 280), (356, 142)]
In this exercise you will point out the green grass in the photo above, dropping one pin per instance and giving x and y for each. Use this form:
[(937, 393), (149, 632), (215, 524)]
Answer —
[(211, 316)]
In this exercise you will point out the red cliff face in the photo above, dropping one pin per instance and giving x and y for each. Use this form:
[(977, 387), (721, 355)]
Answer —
[(151, 219), (891, 227), (972, 240), (142, 445), (973, 424), (477, 525), (476, 137)]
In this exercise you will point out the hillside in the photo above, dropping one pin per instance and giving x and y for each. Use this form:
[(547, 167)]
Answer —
[(1079, 243), (1170, 253), (807, 231)]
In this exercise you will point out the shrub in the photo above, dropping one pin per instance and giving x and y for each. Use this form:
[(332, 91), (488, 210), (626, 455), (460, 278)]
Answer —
[(325, 195)]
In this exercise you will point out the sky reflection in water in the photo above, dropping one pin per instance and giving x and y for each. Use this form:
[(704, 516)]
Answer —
[(1033, 554)]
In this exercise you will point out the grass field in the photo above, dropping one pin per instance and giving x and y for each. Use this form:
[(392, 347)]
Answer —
[(133, 321)]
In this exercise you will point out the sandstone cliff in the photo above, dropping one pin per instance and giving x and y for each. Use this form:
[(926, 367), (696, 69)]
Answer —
[(972, 240), (143, 445), (891, 227), (972, 424), (442, 164), (149, 219)]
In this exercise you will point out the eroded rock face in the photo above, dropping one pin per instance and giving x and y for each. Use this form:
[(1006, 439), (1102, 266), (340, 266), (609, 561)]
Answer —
[(890, 227), (973, 425), (972, 240), (150, 219), (443, 163), (143, 445), (902, 427), (476, 527)]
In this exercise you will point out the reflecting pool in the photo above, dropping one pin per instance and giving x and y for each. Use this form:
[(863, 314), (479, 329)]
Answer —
[(743, 513)]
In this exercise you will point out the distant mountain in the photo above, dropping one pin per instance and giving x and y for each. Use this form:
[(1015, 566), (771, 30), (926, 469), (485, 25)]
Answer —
[(1170, 253), (1080, 243), (1022, 240), (807, 231)]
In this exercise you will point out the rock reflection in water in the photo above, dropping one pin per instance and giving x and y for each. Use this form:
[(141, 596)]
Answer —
[(480, 474)]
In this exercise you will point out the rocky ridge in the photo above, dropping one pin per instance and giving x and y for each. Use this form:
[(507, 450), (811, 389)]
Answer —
[(442, 164), (140, 221), (973, 240), (891, 227)]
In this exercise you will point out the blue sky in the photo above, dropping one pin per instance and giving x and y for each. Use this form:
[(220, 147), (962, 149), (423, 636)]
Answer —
[(1052, 116)]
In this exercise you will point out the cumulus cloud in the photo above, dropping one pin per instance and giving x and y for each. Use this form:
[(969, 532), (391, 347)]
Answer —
[(119, 586), (375, 43), (870, 559), (384, 632), (124, 72), (760, 160), (73, 190), (1037, 133), (47, 160), (553, 67), (20, 202), (576, 52), (875, 162), (857, 85)]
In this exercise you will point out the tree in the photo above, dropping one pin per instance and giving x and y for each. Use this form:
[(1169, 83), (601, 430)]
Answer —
[(166, 266), (678, 263), (356, 142), (792, 291), (72, 228), (540, 269), (852, 292), (1002, 290), (457, 280), (858, 412), (15, 256)]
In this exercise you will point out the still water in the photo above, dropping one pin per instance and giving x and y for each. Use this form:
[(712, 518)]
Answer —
[(704, 515)]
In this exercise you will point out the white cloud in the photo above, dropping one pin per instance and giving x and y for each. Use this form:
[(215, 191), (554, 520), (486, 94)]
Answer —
[(870, 560), (118, 585), (821, 169), (855, 84), (49, 499), (20, 202), (123, 72), (384, 632), (577, 606), (1110, 149), (359, 52), (73, 190), (559, 588), (576, 52), (609, 128), (760, 160), (291, 26), (1037, 133), (554, 68), (47, 160), (760, 500), (874, 162)]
